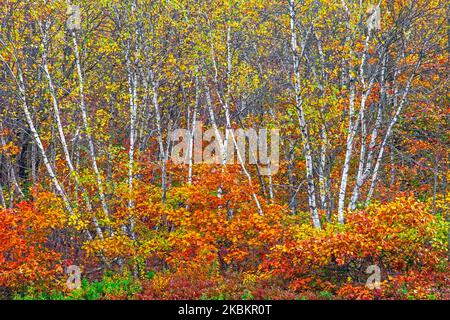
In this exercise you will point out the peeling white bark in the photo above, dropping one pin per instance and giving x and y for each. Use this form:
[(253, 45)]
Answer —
[(302, 120)]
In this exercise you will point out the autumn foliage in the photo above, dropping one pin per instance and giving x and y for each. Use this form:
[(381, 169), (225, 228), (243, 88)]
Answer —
[(352, 202), (26, 231), (201, 246)]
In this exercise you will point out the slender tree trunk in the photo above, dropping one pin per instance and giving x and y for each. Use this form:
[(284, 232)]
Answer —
[(132, 87), (301, 118), (354, 126), (322, 166), (2, 198), (388, 134), (10, 167), (365, 165), (162, 153), (194, 123), (62, 136), (40, 146), (87, 128)]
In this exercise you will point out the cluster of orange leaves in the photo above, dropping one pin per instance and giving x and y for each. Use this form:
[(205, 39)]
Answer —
[(25, 256), (400, 237)]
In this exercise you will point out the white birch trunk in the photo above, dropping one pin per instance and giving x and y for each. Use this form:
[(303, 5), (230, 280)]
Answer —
[(62, 137), (302, 120), (192, 136), (40, 146), (87, 127), (365, 167), (353, 128), (132, 88), (162, 151), (388, 133)]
